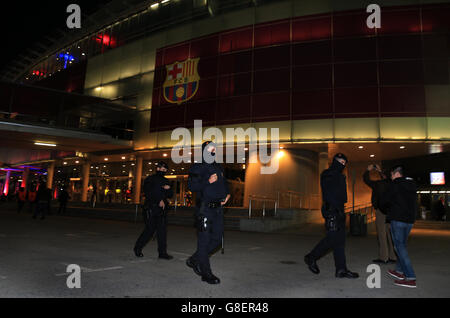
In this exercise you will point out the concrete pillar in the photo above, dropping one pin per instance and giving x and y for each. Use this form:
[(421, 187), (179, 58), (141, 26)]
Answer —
[(137, 180), (50, 174), (6, 185), (297, 172), (85, 180), (25, 175)]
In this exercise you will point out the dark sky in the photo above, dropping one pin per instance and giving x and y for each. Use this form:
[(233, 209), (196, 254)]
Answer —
[(25, 22)]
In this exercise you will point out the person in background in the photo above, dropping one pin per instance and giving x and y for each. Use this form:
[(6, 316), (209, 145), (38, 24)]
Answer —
[(386, 253), (94, 195), (32, 198), (21, 199), (43, 198), (157, 191), (400, 200), (63, 198)]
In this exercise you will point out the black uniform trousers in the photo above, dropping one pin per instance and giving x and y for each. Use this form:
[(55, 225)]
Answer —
[(209, 238), (42, 208), (62, 207), (334, 240), (155, 220)]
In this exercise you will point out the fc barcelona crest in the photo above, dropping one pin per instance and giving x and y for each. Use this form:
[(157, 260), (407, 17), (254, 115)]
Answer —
[(182, 81)]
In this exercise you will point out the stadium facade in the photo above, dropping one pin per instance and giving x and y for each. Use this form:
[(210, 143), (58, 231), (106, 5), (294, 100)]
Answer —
[(313, 69)]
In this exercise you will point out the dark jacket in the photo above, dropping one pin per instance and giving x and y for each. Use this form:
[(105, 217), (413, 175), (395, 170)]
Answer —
[(378, 188), (43, 195), (198, 181), (334, 187), (400, 200), (63, 196), (154, 191)]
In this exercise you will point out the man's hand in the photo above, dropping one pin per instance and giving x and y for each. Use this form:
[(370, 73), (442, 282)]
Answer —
[(213, 178), (226, 200), (166, 187), (161, 204)]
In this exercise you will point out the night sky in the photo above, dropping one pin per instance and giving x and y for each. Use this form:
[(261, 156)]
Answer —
[(25, 22)]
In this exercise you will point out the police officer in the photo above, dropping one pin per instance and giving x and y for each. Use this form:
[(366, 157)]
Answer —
[(156, 189), (207, 180), (334, 196)]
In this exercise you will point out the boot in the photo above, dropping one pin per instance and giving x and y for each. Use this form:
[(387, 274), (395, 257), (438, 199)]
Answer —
[(165, 256), (210, 279), (138, 252), (190, 262), (346, 274), (312, 265)]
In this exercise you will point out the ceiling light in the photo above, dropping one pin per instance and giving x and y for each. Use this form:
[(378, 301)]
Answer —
[(44, 144), (371, 156), (402, 147), (106, 159), (361, 147)]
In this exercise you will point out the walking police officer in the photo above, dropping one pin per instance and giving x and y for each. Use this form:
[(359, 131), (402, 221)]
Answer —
[(334, 196), (207, 180), (156, 189)]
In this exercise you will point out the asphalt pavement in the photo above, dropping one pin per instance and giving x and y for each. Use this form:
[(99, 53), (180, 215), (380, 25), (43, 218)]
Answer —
[(34, 255)]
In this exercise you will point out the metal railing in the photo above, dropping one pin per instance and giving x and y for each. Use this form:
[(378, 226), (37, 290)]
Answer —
[(364, 209), (292, 199), (254, 198)]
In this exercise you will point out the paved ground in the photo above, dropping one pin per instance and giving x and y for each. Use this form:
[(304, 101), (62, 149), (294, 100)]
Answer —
[(34, 255)]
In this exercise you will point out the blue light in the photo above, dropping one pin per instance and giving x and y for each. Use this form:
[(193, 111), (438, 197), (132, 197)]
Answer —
[(67, 58)]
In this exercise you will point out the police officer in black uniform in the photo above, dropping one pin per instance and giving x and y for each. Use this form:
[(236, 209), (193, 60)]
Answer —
[(156, 189), (207, 180), (334, 196)]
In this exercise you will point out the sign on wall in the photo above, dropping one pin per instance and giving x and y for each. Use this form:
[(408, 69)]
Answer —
[(182, 81)]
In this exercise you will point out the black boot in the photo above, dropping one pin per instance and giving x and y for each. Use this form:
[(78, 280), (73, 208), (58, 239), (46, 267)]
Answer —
[(346, 274), (165, 256), (210, 279), (194, 265), (312, 265), (138, 252)]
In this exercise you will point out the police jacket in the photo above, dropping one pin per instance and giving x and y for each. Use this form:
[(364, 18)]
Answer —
[(334, 186), (378, 188), (154, 191), (400, 200), (198, 181)]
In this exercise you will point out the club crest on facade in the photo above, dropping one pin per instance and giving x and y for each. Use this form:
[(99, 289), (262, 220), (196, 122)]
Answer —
[(182, 81)]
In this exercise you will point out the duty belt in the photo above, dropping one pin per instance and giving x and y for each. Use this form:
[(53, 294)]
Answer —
[(214, 205)]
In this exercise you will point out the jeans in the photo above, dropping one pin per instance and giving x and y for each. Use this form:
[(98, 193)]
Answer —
[(400, 232)]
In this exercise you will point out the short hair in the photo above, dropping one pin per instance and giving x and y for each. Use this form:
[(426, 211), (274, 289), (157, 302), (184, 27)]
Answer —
[(399, 168)]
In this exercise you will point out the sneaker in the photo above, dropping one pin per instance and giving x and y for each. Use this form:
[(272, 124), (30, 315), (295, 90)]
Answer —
[(396, 275), (406, 283)]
